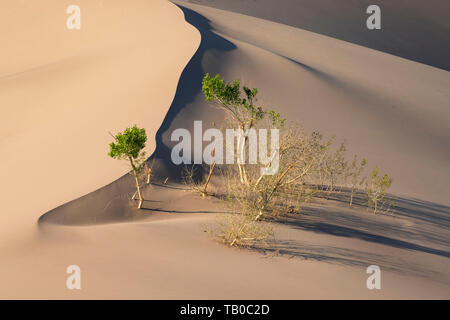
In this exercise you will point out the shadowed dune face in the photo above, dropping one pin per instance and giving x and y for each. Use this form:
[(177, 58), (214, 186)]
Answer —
[(411, 29), (188, 105)]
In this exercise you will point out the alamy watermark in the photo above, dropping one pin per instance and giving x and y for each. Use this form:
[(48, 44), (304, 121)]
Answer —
[(73, 22), (234, 144), (73, 281), (374, 280), (374, 20)]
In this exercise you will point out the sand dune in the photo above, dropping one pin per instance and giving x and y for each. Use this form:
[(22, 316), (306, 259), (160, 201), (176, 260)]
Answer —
[(392, 110), (62, 91), (409, 28)]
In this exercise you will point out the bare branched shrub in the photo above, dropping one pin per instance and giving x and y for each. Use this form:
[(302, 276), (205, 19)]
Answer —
[(267, 196), (241, 231), (147, 173), (334, 167), (353, 176), (192, 177)]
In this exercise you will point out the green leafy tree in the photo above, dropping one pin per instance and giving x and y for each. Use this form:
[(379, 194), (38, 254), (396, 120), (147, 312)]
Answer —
[(129, 146), (240, 104), (377, 189)]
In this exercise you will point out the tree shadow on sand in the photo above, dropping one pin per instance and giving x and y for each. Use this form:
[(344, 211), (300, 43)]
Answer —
[(414, 225), (350, 257), (410, 222)]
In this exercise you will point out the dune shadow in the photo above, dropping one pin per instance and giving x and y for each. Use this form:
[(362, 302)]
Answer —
[(350, 257), (178, 211), (342, 231), (416, 226), (188, 88), (111, 203), (412, 224), (407, 31), (415, 209)]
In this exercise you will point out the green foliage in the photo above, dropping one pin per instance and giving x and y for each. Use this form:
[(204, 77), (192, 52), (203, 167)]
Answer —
[(128, 144), (240, 104), (228, 93), (377, 189), (276, 119)]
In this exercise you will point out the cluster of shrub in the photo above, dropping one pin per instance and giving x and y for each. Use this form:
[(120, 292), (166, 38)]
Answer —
[(309, 166)]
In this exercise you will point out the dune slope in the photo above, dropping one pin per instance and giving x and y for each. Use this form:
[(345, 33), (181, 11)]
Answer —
[(409, 28)]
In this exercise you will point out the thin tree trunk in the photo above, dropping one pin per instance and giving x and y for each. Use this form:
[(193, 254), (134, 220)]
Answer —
[(241, 230), (244, 171), (149, 174), (211, 169), (240, 174), (138, 188), (241, 148), (277, 184), (141, 200)]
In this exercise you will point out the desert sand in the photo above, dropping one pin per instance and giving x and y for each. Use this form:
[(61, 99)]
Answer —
[(64, 201)]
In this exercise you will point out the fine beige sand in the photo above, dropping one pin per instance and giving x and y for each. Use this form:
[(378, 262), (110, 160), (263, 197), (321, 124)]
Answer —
[(141, 62)]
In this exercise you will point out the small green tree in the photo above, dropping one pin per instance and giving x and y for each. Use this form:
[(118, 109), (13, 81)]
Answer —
[(240, 105), (129, 146), (377, 189)]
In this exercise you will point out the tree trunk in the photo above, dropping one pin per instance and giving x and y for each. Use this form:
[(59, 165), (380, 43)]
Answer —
[(211, 169), (138, 188), (244, 171), (149, 174), (141, 200), (242, 142)]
